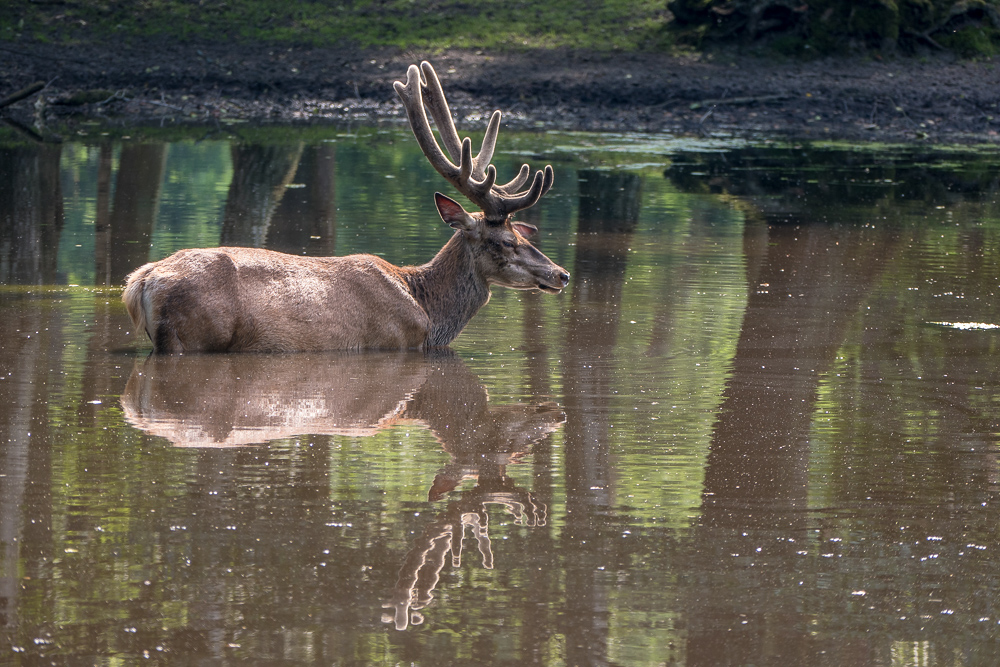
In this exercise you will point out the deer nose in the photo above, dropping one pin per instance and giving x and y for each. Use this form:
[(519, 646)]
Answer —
[(564, 277)]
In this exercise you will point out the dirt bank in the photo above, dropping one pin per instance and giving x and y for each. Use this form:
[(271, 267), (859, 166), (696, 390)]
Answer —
[(939, 101)]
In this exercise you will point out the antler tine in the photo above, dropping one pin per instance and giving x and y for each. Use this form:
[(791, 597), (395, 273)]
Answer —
[(540, 184), (462, 175), (441, 111), (473, 177), (517, 182), (550, 178), (490, 179), (479, 190), (411, 95), (465, 165), (485, 155)]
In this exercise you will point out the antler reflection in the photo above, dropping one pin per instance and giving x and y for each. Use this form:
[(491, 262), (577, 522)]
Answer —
[(482, 444), (421, 570)]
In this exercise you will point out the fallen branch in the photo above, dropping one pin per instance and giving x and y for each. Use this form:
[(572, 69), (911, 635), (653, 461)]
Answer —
[(701, 123), (925, 36), (22, 94), (161, 104), (117, 96)]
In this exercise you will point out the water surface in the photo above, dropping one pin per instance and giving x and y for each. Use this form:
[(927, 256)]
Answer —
[(759, 427)]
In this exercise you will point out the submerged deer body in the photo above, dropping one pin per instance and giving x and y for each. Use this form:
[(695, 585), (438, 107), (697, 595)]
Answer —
[(248, 299)]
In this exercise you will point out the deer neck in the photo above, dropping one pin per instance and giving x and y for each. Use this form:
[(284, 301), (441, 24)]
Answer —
[(450, 290)]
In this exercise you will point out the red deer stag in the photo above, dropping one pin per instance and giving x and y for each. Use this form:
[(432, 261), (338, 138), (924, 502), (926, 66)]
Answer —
[(249, 299)]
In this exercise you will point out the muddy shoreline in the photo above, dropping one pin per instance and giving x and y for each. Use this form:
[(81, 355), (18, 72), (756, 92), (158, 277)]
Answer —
[(725, 94)]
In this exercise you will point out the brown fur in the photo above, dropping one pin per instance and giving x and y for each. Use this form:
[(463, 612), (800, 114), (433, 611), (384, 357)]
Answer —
[(254, 300)]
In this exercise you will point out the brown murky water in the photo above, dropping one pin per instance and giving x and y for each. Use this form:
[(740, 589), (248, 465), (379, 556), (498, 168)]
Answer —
[(760, 427)]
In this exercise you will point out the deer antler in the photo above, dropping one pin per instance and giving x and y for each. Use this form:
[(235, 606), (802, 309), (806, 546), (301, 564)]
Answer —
[(474, 177)]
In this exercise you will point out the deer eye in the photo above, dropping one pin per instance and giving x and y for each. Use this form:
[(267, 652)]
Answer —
[(507, 244)]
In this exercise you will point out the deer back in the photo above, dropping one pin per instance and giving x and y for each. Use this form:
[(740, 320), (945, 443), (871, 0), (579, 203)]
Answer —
[(247, 299)]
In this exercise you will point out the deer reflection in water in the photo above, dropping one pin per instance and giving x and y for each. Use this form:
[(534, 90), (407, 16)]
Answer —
[(419, 575), (236, 400), (239, 400)]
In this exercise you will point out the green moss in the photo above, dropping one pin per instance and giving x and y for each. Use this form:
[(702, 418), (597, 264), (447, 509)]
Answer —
[(790, 45), (972, 41)]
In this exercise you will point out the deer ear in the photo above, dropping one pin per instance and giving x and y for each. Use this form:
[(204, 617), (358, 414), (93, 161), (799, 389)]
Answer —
[(524, 229), (453, 213)]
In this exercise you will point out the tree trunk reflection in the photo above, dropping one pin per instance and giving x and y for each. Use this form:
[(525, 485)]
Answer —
[(31, 214), (305, 219), (609, 205), (806, 285), (261, 175), (136, 203)]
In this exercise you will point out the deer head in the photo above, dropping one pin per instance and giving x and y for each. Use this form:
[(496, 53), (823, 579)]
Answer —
[(499, 240)]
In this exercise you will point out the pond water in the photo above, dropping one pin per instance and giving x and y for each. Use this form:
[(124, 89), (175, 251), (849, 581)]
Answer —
[(760, 426)]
